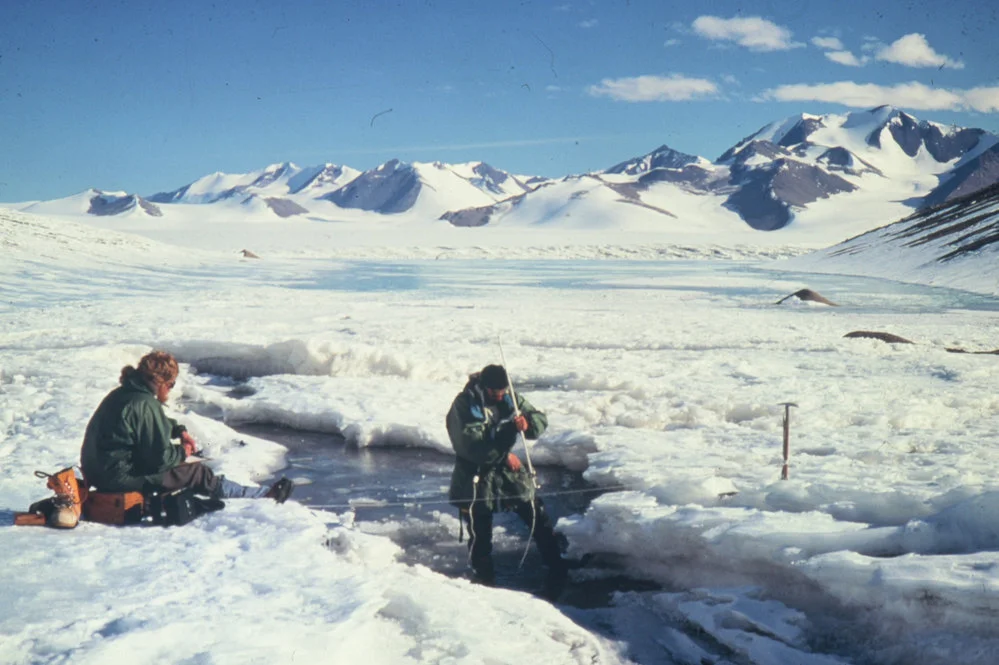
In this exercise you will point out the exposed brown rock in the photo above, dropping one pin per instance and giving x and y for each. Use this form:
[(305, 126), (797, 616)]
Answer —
[(883, 336), (809, 295)]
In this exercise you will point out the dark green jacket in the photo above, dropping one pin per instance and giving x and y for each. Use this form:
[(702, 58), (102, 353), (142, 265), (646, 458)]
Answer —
[(127, 446), (482, 446)]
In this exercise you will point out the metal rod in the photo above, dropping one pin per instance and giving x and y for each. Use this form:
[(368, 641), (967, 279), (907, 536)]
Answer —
[(784, 472)]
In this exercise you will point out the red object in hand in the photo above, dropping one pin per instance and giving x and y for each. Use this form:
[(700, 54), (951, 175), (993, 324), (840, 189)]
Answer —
[(513, 462), (188, 443), (520, 422)]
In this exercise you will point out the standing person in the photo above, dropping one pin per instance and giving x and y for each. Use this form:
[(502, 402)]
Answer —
[(487, 478), (128, 444)]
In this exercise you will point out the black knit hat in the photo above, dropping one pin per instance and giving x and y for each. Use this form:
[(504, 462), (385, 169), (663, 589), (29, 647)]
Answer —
[(494, 376)]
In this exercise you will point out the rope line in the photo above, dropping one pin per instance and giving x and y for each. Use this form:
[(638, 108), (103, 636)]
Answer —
[(395, 504), (471, 518), (530, 536)]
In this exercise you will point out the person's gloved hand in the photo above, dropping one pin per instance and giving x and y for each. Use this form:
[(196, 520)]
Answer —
[(513, 462), (520, 422), (188, 443)]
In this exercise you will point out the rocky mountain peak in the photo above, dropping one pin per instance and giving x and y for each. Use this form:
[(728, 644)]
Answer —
[(662, 157)]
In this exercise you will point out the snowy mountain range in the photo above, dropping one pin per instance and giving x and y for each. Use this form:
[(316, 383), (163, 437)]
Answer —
[(856, 170)]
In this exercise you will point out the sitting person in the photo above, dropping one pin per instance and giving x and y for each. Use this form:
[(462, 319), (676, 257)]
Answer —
[(128, 443)]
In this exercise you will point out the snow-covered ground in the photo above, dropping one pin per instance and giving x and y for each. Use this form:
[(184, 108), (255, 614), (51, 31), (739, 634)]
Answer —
[(665, 377)]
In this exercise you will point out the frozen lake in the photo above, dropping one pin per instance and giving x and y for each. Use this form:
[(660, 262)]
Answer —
[(722, 279), (664, 377)]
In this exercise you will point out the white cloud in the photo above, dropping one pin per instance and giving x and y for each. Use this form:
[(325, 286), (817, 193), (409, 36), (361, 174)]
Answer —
[(914, 51), (753, 32), (675, 88), (671, 42), (912, 95), (836, 52), (831, 43), (846, 58), (589, 23), (985, 100)]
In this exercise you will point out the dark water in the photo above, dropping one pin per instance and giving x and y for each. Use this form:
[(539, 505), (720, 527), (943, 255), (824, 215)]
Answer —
[(401, 493)]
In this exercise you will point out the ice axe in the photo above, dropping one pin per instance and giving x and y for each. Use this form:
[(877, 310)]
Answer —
[(787, 437)]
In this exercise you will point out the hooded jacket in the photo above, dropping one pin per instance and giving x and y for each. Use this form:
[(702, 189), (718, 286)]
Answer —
[(127, 446), (482, 438)]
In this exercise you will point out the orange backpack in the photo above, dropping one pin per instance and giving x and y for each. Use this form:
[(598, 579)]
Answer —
[(114, 507)]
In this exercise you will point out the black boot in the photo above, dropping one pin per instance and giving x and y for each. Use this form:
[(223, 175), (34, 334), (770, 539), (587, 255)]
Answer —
[(480, 546), (555, 581), (281, 490), (551, 554), (549, 546), (483, 571)]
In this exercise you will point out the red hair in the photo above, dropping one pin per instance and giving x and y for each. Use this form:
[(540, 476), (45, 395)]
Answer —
[(155, 368)]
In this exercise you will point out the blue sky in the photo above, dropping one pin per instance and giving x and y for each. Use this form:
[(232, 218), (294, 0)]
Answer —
[(148, 96)]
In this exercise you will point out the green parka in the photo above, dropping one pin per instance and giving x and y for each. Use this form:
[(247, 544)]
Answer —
[(482, 438), (127, 445)]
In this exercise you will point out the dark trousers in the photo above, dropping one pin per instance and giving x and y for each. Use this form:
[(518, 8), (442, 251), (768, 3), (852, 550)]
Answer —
[(196, 476), (480, 528)]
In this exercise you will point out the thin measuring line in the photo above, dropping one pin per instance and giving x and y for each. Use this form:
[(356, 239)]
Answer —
[(391, 504)]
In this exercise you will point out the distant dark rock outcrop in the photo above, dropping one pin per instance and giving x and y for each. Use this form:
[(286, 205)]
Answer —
[(327, 175), (904, 129), (895, 339), (970, 177), (169, 197), (284, 207), (911, 134), (492, 179), (103, 204), (469, 217), (247, 254), (945, 147), (883, 336), (392, 187), (690, 176), (801, 131), (958, 227), (756, 150), (809, 296), (841, 159), (766, 194)]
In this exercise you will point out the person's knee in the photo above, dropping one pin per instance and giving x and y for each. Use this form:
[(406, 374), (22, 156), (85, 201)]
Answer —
[(195, 476)]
